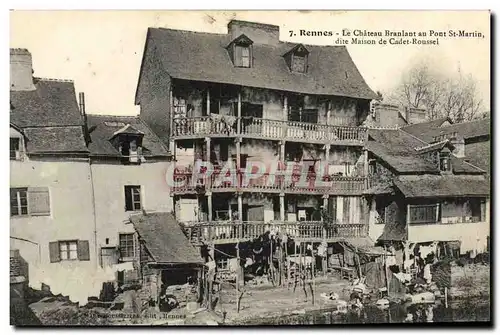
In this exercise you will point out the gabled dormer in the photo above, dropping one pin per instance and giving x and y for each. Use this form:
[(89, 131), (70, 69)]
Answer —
[(445, 160), (296, 59), (128, 141), (241, 51), (438, 153)]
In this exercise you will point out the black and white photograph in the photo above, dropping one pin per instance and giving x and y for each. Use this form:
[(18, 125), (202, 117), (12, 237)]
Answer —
[(250, 168)]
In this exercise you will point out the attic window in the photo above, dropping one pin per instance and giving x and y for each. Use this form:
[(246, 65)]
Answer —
[(128, 141), (240, 50), (444, 162), (297, 59)]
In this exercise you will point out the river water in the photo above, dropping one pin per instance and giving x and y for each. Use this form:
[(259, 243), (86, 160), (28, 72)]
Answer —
[(457, 311)]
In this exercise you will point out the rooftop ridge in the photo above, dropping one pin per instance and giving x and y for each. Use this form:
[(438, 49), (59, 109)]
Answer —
[(54, 79), (19, 51), (115, 116), (430, 145)]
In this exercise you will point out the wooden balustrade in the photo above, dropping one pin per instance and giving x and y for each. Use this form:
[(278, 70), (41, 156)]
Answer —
[(185, 127), (231, 231)]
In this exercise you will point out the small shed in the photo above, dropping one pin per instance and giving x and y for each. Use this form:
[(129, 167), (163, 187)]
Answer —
[(166, 255)]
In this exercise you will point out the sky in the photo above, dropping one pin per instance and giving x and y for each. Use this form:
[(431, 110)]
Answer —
[(102, 50)]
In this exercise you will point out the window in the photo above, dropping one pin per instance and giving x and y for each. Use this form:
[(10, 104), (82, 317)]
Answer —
[(372, 166), (299, 63), (127, 246), (15, 153), (444, 162), (242, 56), (68, 250), (29, 201), (18, 201), (423, 213), (133, 198), (303, 115)]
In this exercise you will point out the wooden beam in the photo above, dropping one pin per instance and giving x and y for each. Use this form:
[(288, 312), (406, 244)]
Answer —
[(209, 200), (208, 101), (238, 125), (240, 207), (282, 207)]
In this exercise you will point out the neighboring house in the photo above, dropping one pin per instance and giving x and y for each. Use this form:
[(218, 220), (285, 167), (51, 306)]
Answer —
[(51, 209), (247, 96), (475, 134), (129, 166), (424, 190)]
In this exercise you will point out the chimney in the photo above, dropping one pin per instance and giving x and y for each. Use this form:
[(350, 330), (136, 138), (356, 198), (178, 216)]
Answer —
[(258, 32), (21, 70), (459, 146), (81, 103), (386, 115), (415, 115)]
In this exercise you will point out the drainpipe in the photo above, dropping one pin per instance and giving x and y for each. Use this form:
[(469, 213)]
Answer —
[(94, 212)]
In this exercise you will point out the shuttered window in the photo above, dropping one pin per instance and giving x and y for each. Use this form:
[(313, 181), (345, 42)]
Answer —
[(30, 201), (69, 250), (242, 56), (299, 63)]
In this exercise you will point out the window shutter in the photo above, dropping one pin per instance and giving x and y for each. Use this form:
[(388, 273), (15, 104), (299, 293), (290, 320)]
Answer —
[(38, 201), (238, 54), (128, 199), (54, 252), (83, 251)]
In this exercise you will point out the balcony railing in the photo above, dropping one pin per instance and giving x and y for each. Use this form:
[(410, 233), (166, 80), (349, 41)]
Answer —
[(230, 231), (267, 129), (273, 183)]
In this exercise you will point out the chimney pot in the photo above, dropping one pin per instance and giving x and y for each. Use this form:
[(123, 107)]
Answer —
[(21, 70)]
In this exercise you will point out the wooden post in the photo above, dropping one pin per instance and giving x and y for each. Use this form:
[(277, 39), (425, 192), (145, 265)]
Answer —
[(238, 124), (446, 297), (209, 200), (386, 272), (240, 208), (285, 123), (208, 101), (207, 149), (171, 130), (313, 275), (282, 206), (328, 112), (282, 152)]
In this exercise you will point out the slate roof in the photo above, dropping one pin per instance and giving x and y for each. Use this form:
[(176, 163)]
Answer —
[(394, 231), (398, 149), (428, 130), (204, 57), (53, 103), (55, 140), (164, 239), (479, 154), (442, 186), (49, 117), (103, 127)]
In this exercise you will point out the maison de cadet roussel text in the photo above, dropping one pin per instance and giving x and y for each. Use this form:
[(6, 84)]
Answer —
[(387, 37)]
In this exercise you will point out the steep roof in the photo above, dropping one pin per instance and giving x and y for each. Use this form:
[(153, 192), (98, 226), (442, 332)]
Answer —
[(204, 57), (52, 104), (479, 154), (442, 186), (399, 149), (49, 117), (103, 127), (164, 239), (428, 130), (396, 148)]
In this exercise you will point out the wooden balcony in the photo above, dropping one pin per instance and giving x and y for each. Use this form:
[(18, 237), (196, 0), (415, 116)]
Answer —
[(266, 129), (269, 183), (233, 231)]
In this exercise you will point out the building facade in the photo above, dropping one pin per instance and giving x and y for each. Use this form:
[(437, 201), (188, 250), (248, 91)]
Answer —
[(245, 98), (52, 223)]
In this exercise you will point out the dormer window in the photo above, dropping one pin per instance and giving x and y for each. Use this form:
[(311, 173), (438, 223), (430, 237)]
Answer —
[(297, 59), (240, 50), (444, 161), (128, 141)]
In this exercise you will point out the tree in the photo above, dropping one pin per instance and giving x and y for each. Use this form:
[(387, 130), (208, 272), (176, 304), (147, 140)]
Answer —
[(424, 86)]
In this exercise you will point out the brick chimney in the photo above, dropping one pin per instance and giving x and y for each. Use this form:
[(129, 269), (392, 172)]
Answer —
[(459, 146), (258, 32), (386, 115), (21, 70), (415, 115)]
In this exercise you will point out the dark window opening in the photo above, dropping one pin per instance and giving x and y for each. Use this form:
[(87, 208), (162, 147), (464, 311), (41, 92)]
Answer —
[(303, 115), (132, 198), (15, 148)]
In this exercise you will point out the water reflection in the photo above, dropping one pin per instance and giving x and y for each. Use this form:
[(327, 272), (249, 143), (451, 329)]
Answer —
[(415, 313)]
